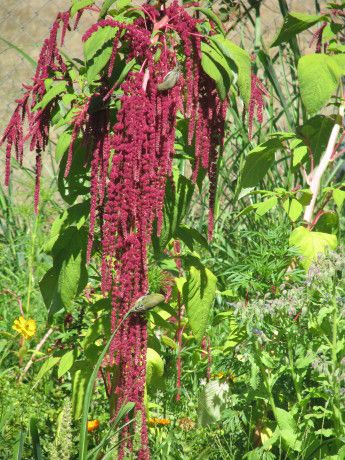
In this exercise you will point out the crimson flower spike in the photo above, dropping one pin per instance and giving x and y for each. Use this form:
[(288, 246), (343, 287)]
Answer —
[(256, 103)]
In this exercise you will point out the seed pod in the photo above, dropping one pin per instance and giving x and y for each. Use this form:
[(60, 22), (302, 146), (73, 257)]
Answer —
[(170, 79), (147, 302)]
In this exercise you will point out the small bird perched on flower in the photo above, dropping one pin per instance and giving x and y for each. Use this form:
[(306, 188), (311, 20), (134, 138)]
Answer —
[(147, 302), (170, 79)]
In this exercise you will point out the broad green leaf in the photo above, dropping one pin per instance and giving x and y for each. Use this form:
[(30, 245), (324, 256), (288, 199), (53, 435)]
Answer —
[(265, 206), (212, 402), (299, 154), (169, 342), (77, 182), (318, 76), (52, 93), (304, 361), (288, 429), (294, 23), (258, 162), (45, 368), (62, 144), (66, 362), (315, 133), (293, 208), (72, 276), (154, 368), (105, 7), (99, 61), (81, 373), (68, 276), (241, 59), (75, 215), (309, 244), (98, 329), (198, 296), (48, 288), (328, 223), (97, 40), (190, 237), (339, 197), (79, 5), (215, 65)]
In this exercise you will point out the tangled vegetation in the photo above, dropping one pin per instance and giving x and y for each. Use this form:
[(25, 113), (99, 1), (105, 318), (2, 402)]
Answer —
[(177, 289)]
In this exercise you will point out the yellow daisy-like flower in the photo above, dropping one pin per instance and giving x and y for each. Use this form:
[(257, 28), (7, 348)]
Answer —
[(158, 421), (92, 425), (25, 327)]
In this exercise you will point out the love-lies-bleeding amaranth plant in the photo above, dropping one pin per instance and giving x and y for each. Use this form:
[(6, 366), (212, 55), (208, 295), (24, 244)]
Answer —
[(146, 68)]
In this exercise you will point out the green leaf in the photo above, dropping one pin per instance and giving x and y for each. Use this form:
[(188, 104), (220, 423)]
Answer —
[(241, 59), (81, 373), (66, 362), (299, 153), (98, 39), (198, 296), (72, 277), (154, 368), (62, 144), (257, 163), (288, 428), (97, 64), (318, 76), (265, 206), (212, 17), (105, 7), (212, 402), (77, 182), (80, 4), (51, 94), (215, 66), (339, 197), (304, 361), (45, 368), (293, 208), (190, 237), (328, 223), (315, 134), (294, 23), (309, 244), (68, 276)]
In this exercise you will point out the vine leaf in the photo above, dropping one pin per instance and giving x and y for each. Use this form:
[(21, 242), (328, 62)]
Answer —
[(294, 23), (310, 244), (319, 76), (198, 295), (257, 163)]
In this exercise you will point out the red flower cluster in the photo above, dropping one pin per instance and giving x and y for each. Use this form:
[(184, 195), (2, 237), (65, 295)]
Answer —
[(138, 151), (257, 92)]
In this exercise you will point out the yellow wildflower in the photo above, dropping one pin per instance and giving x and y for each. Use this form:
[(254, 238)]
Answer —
[(25, 327), (92, 425), (158, 421)]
